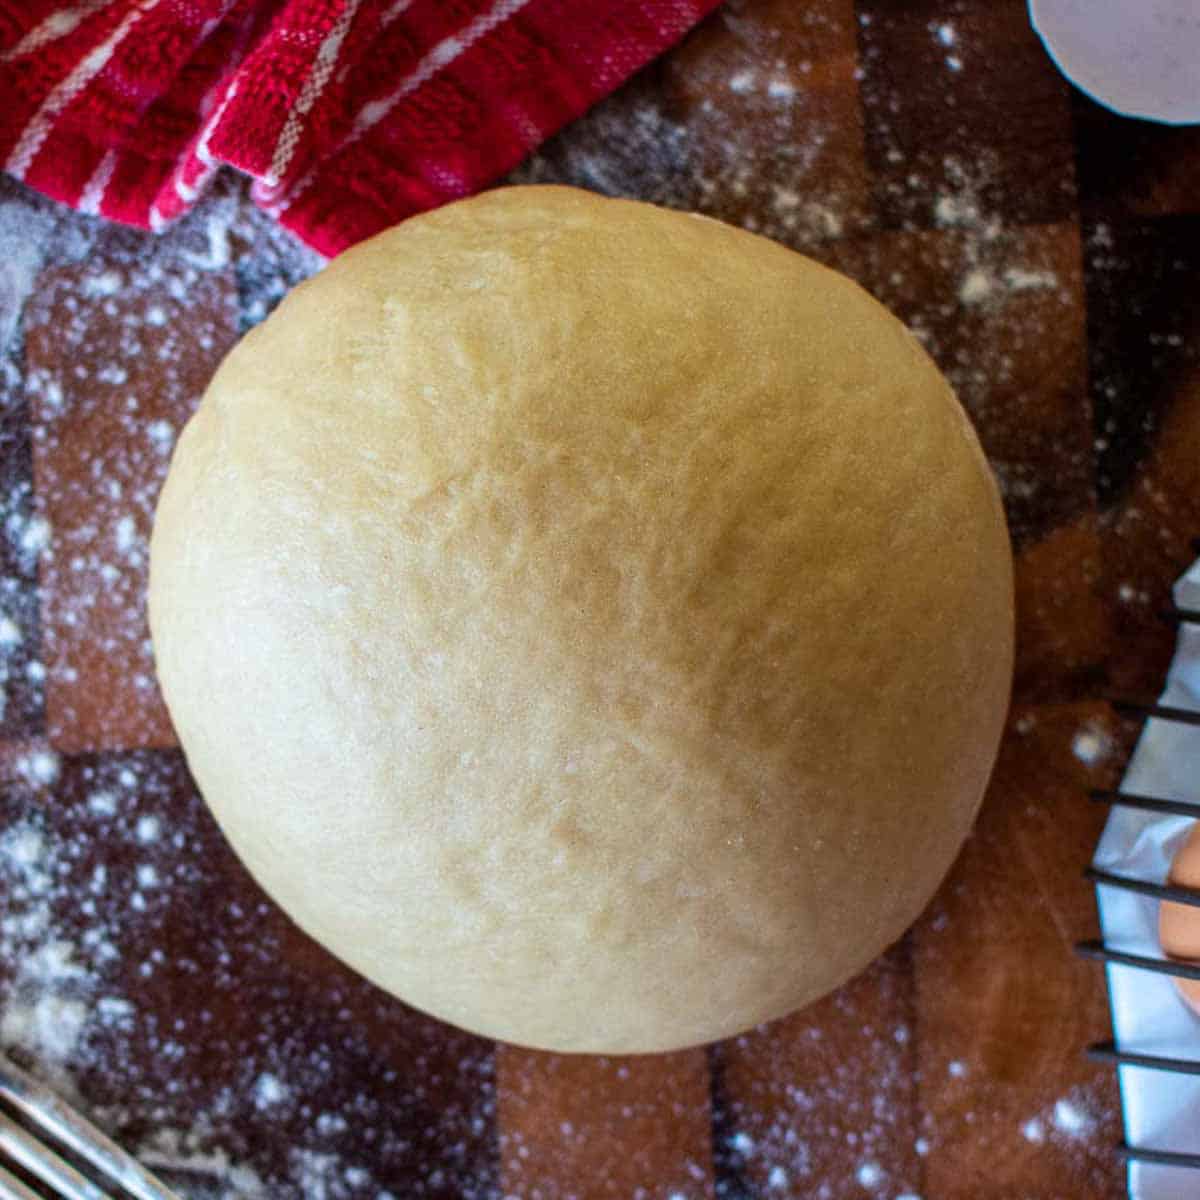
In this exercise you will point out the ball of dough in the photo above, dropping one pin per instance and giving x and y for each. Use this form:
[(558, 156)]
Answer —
[(590, 622)]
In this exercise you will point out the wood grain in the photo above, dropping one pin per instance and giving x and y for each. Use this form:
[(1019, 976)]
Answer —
[(825, 1102), (224, 994), (1009, 1105), (958, 92), (768, 93), (1134, 166), (593, 1127), (116, 361)]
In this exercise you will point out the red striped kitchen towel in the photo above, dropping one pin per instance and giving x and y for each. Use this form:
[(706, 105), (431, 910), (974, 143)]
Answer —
[(349, 114)]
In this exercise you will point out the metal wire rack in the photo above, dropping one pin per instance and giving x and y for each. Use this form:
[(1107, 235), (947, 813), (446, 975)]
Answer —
[(1109, 1052)]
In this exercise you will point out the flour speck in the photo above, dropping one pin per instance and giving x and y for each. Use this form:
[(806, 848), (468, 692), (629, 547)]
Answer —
[(148, 829), (162, 435), (102, 803), (125, 534), (976, 286), (1022, 279), (870, 1175), (1071, 1118), (1090, 745), (269, 1091), (10, 633), (35, 537), (743, 1143), (107, 283), (39, 767)]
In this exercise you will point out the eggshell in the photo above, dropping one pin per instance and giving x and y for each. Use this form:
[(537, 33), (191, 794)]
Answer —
[(1179, 924)]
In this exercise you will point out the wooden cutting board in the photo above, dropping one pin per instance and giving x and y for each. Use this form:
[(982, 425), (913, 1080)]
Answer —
[(1046, 252)]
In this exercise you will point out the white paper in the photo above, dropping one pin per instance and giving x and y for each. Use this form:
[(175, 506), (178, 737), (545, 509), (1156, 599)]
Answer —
[(1162, 1109)]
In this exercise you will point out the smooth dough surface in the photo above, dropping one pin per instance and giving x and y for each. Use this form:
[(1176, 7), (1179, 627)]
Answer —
[(592, 623)]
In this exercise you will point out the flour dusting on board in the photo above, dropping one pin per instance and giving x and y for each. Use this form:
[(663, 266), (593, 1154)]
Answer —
[(226, 1069), (156, 987), (745, 136), (148, 980)]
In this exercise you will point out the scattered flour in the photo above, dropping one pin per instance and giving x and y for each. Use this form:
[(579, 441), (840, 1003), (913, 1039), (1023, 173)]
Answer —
[(743, 1143), (776, 1137), (45, 1011), (10, 633), (1090, 745), (96, 912), (75, 353), (33, 536), (149, 828), (1071, 1118), (268, 1091), (870, 1175), (989, 277), (126, 978), (980, 286), (1021, 279), (710, 158), (976, 287), (172, 1151)]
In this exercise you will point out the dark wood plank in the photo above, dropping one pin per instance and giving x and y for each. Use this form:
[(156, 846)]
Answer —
[(1000, 310), (1144, 351), (960, 93), (1143, 322), (1134, 167), (118, 352), (594, 1127), (769, 93), (1065, 633), (22, 703), (1004, 1007), (755, 118), (824, 1102), (1148, 543), (145, 974)]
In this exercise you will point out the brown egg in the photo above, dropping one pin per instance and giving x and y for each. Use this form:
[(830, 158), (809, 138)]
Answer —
[(1179, 924)]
